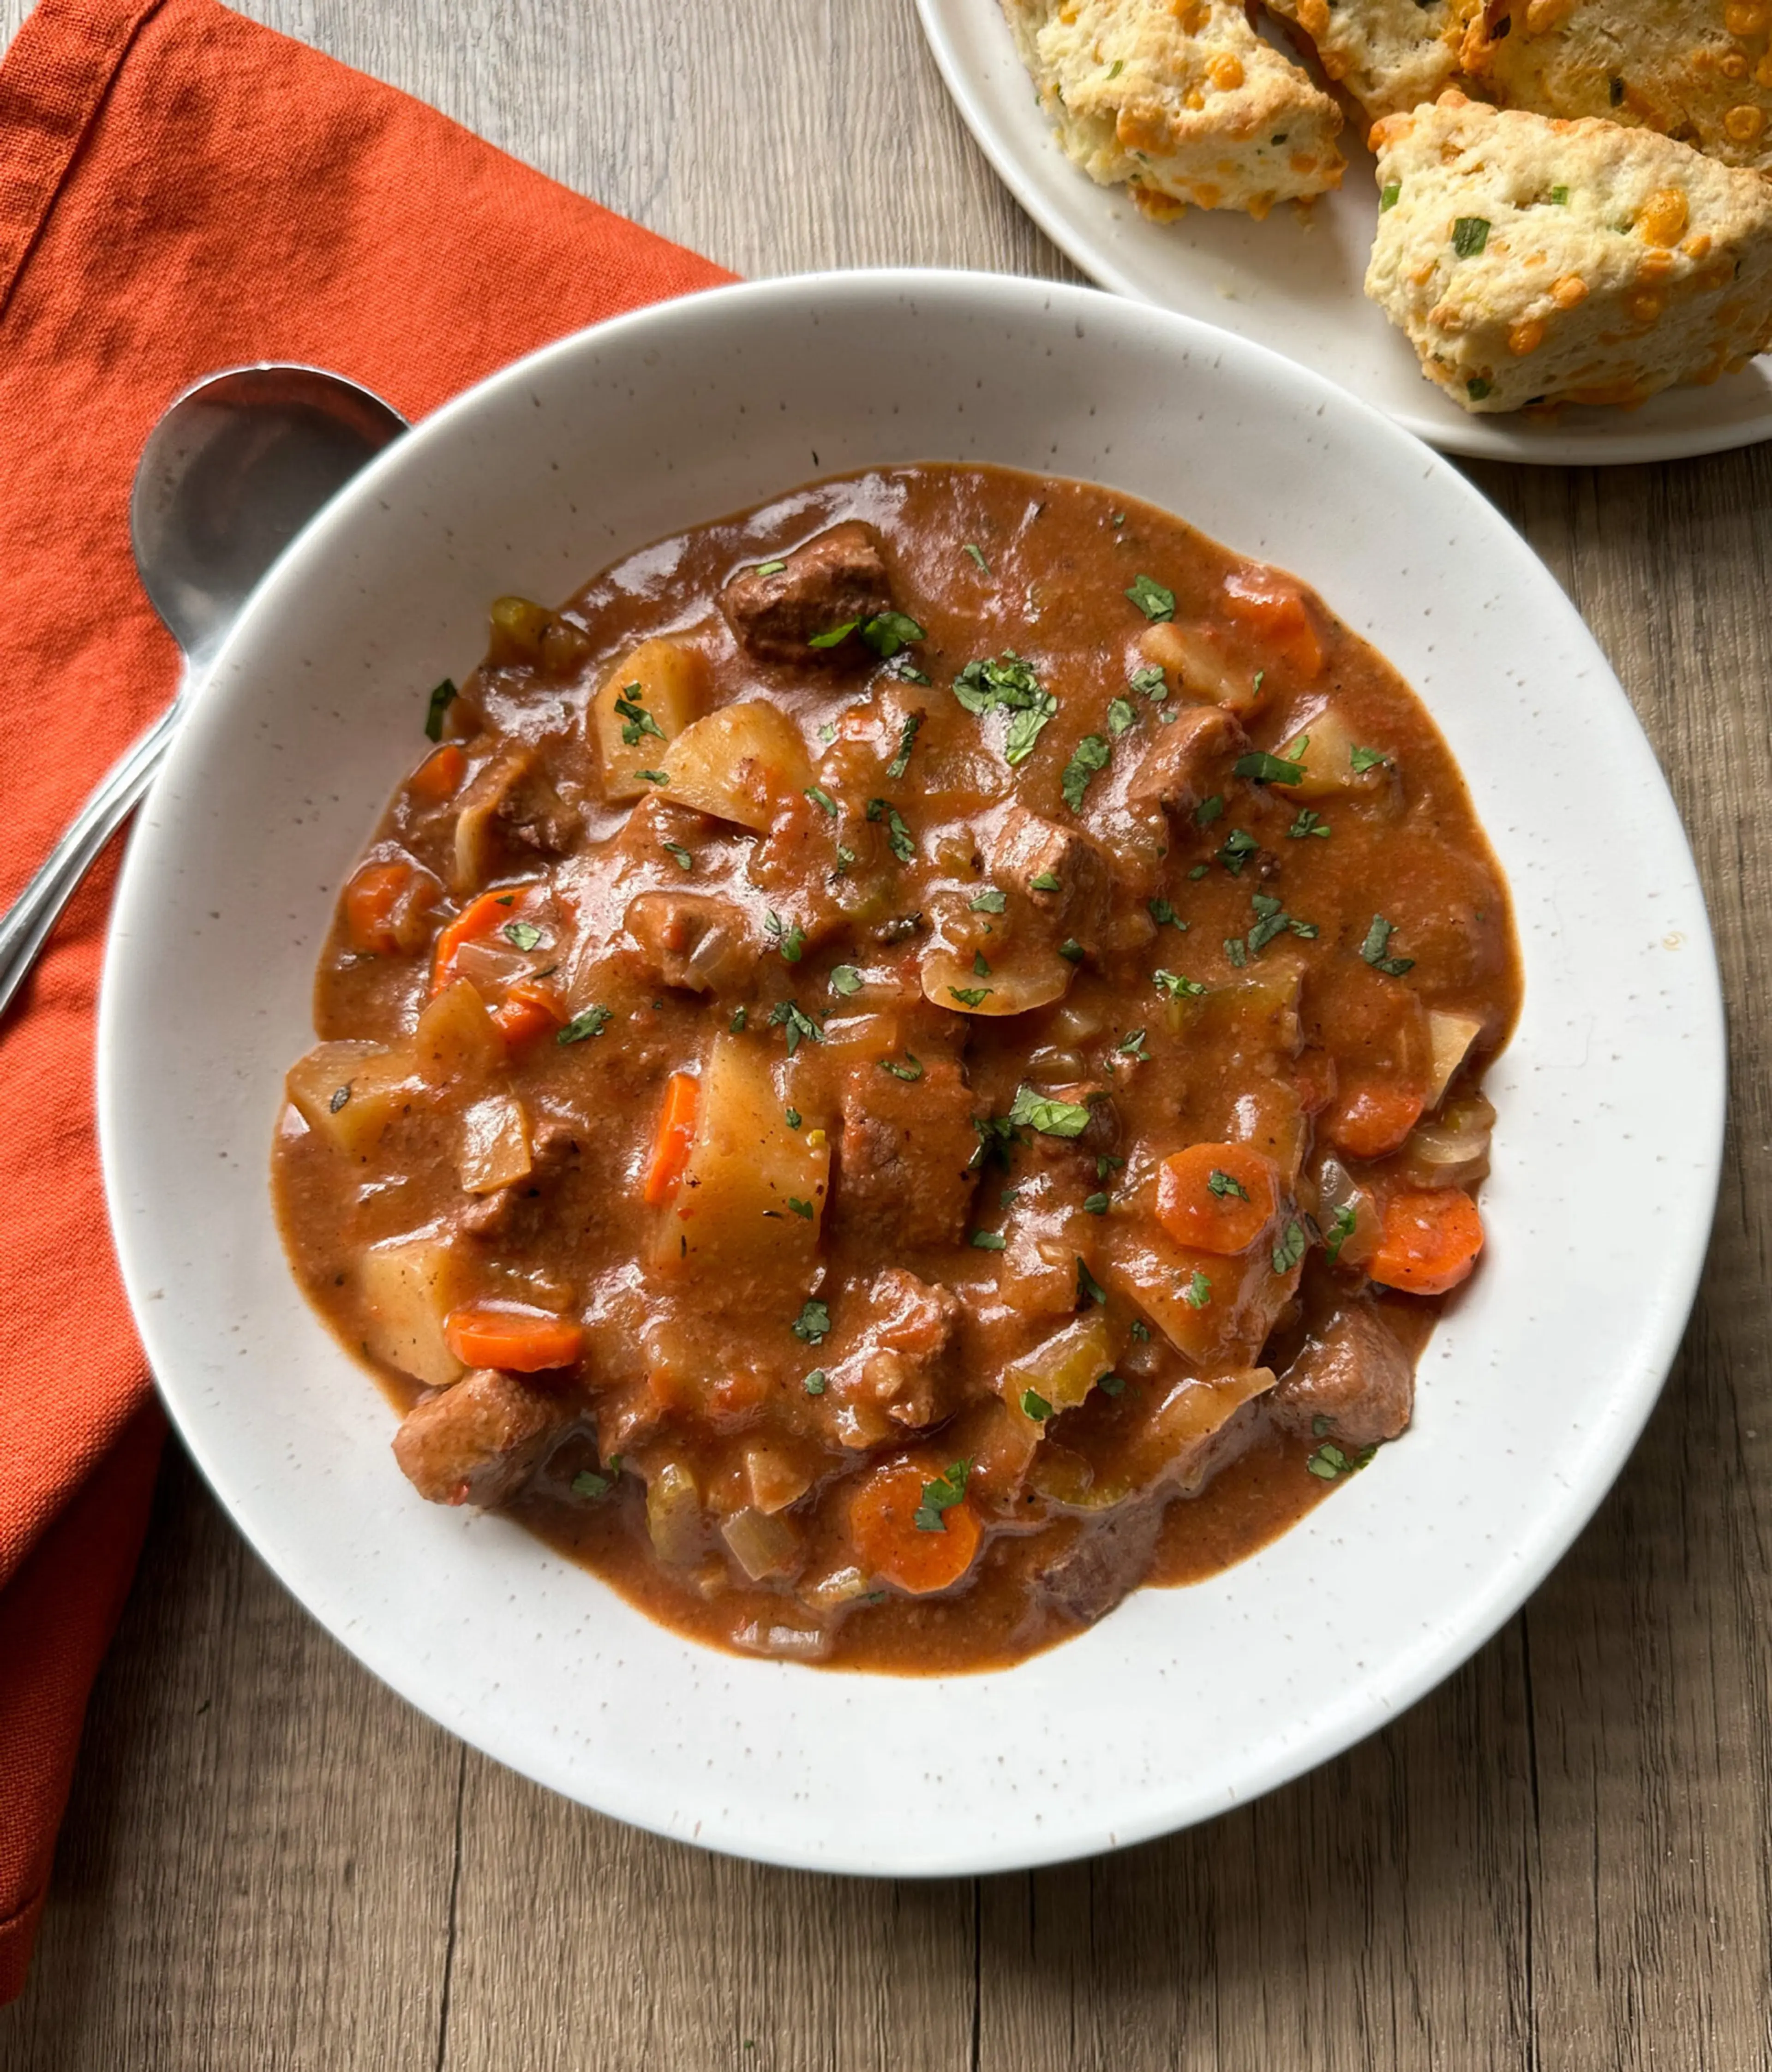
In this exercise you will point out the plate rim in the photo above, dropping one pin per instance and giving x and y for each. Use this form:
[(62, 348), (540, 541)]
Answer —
[(1430, 1659), (1471, 437)]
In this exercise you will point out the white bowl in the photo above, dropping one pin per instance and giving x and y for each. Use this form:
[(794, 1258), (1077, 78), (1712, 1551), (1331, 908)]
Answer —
[(1184, 1701)]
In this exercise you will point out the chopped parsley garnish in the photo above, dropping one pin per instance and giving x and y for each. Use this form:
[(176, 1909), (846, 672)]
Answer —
[(845, 858), (1091, 753), (1151, 598), (1329, 1462), (736, 1025), (1364, 759), (1089, 1289), (1133, 1047), (1373, 949), (1120, 715), (441, 699), (769, 568), (1307, 823), (1071, 949), (680, 855), (1262, 768), (1387, 196), (983, 1240), (908, 737), (1112, 1384), (1291, 1248), (1198, 872), (339, 1098), (639, 722), (1035, 1405), (997, 1137), (521, 935), (1222, 1183), (791, 941), (1207, 811), (941, 1495), (1235, 951), (907, 1068), (1340, 1231), (592, 1023), (813, 1323), (1198, 1291), (654, 776), (977, 554), (1008, 684), (1561, 196), (822, 799), (1045, 881), (814, 1382), (970, 996), (1140, 1331), (990, 901), (981, 969), (1478, 387), (887, 631), (801, 1028), (1096, 1205), (588, 1482), (899, 838), (833, 634), (794, 1117), (1272, 919), (803, 1209), (1239, 845), (1165, 915), (1051, 1118), (1173, 986), (846, 979), (1469, 235), (1151, 682)]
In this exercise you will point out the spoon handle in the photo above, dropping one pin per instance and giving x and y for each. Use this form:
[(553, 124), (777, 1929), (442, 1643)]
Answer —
[(26, 927)]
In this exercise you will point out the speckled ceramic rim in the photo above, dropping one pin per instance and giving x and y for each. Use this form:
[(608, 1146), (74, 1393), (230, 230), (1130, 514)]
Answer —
[(1182, 1703), (1293, 284)]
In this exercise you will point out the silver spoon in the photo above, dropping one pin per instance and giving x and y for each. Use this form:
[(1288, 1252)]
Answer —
[(233, 471)]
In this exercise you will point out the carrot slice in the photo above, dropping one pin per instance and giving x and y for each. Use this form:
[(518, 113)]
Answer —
[(519, 1341), (372, 901), (1372, 1117), (1217, 1198), (1430, 1241), (437, 777), (528, 1012), (479, 917), (1273, 609), (894, 1547), (675, 1133)]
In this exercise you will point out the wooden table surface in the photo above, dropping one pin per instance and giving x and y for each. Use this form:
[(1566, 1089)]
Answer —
[(1557, 1860)]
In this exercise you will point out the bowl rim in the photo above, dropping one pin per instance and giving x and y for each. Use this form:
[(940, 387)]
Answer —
[(1407, 1674)]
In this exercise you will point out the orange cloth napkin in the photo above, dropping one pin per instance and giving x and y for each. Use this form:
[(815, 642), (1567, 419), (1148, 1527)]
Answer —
[(180, 191)]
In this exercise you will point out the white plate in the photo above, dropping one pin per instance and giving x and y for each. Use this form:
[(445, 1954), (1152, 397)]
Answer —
[(1290, 283), (1184, 1701)]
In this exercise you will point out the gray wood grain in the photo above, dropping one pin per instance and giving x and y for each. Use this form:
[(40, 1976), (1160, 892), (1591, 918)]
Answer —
[(1557, 1860)]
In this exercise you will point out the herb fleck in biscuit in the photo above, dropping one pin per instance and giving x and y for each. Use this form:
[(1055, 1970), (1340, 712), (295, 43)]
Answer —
[(1179, 99), (1699, 72), (1533, 261), (1388, 54)]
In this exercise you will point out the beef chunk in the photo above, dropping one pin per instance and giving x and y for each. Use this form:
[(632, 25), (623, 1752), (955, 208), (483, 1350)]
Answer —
[(832, 581), (1354, 1375), (905, 1363), (903, 1165), (1101, 1564), (692, 939), (509, 816), (1064, 875), (479, 1441), (1187, 760), (1099, 1135), (516, 1213)]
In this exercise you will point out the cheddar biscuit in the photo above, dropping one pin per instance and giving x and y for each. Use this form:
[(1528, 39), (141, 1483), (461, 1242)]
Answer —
[(1388, 54), (1700, 72), (1180, 100), (1530, 261)]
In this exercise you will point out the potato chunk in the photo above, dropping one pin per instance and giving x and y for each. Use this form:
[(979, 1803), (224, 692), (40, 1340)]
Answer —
[(494, 1150), (666, 683), (744, 762), (407, 1291), (348, 1093)]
